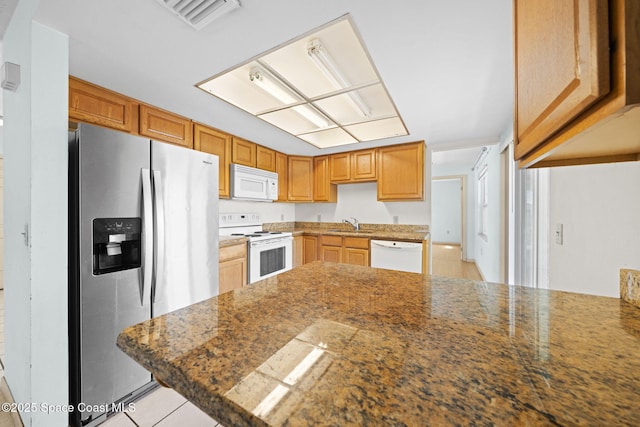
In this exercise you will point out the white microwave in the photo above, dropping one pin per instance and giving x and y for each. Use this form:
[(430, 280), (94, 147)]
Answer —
[(253, 184)]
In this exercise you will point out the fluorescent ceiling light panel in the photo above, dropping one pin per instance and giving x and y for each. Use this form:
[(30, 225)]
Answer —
[(200, 13), (273, 86), (325, 63), (317, 87)]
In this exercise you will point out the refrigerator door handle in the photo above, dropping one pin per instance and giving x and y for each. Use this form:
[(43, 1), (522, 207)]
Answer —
[(158, 231), (147, 206)]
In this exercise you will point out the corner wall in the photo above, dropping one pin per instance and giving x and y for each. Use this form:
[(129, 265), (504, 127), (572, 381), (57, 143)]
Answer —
[(599, 207), (35, 161)]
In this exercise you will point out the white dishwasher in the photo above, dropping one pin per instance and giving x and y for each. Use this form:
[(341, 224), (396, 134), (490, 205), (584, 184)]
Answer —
[(392, 255)]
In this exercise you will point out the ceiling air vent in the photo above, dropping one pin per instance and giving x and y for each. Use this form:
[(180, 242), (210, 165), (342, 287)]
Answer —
[(200, 13)]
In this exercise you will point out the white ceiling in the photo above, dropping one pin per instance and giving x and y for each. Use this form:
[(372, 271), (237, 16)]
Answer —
[(447, 64)]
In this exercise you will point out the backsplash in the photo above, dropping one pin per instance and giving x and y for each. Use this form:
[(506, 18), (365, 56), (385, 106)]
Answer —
[(630, 286), (288, 226)]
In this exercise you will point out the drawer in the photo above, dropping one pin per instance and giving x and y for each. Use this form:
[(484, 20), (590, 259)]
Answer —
[(356, 242), (331, 240), (232, 252)]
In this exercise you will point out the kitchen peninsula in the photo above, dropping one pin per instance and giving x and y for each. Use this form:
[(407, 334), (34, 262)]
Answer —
[(336, 344)]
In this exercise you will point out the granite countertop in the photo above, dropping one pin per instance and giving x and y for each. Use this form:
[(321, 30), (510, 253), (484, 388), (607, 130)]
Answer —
[(416, 233), (335, 344), (231, 240)]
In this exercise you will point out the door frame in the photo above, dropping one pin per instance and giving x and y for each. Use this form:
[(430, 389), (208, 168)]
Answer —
[(463, 207)]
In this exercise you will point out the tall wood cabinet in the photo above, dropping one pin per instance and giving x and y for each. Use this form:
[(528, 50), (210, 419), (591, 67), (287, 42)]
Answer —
[(282, 169), (401, 172), (577, 81), (216, 142)]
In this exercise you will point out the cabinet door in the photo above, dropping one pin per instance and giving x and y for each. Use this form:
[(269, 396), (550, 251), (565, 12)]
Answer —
[(161, 125), (243, 152), (232, 275), (298, 251), (232, 268), (401, 172), (562, 64), (363, 166), (323, 190), (340, 167), (265, 158), (310, 249), (331, 253), (213, 141), (282, 169), (300, 188), (92, 104), (356, 256)]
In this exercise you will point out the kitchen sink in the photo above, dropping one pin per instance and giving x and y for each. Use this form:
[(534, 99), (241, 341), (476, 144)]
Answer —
[(335, 230)]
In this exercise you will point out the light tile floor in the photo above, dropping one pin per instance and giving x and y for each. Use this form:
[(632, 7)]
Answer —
[(162, 408)]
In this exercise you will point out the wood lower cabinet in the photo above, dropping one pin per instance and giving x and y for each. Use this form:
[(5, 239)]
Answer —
[(298, 251), (309, 249), (243, 152), (346, 250), (265, 158), (282, 169), (232, 267), (323, 189), (93, 104), (578, 87), (216, 142), (164, 126), (300, 186), (356, 251), (401, 172)]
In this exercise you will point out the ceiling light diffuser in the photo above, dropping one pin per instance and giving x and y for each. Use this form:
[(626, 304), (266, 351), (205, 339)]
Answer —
[(274, 87), (325, 63)]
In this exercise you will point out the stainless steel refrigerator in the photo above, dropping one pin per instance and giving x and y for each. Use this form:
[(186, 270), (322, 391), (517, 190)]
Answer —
[(143, 242)]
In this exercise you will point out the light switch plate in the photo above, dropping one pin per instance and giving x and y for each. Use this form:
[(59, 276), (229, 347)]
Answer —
[(559, 234)]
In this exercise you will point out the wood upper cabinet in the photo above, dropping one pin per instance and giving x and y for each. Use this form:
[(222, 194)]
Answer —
[(353, 166), (164, 126), (216, 142), (265, 158), (340, 167), (232, 267), (300, 175), (282, 169), (577, 69), (323, 189), (309, 249), (401, 172), (93, 104), (243, 152), (363, 165)]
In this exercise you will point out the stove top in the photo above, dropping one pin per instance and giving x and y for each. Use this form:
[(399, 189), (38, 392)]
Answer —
[(247, 225)]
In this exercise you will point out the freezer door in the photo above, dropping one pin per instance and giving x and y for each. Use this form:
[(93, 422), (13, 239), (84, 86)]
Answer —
[(186, 212), (110, 186)]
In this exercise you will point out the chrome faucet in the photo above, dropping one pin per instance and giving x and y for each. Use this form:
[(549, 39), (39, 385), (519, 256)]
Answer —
[(354, 224)]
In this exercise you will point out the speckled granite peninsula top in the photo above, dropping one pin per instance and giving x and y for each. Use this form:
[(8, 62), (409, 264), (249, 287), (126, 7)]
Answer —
[(333, 344)]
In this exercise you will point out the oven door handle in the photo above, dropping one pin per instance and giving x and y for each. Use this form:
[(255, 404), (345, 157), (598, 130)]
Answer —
[(270, 242)]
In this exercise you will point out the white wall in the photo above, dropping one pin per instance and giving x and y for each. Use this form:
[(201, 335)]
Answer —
[(487, 248), (270, 212), (599, 206), (446, 211), (464, 170), (35, 160)]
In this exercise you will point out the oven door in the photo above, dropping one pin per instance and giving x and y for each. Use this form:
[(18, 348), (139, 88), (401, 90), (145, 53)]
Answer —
[(270, 257)]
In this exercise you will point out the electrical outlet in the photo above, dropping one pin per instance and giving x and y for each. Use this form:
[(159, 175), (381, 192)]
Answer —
[(559, 234), (281, 217), (395, 219), (319, 218)]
